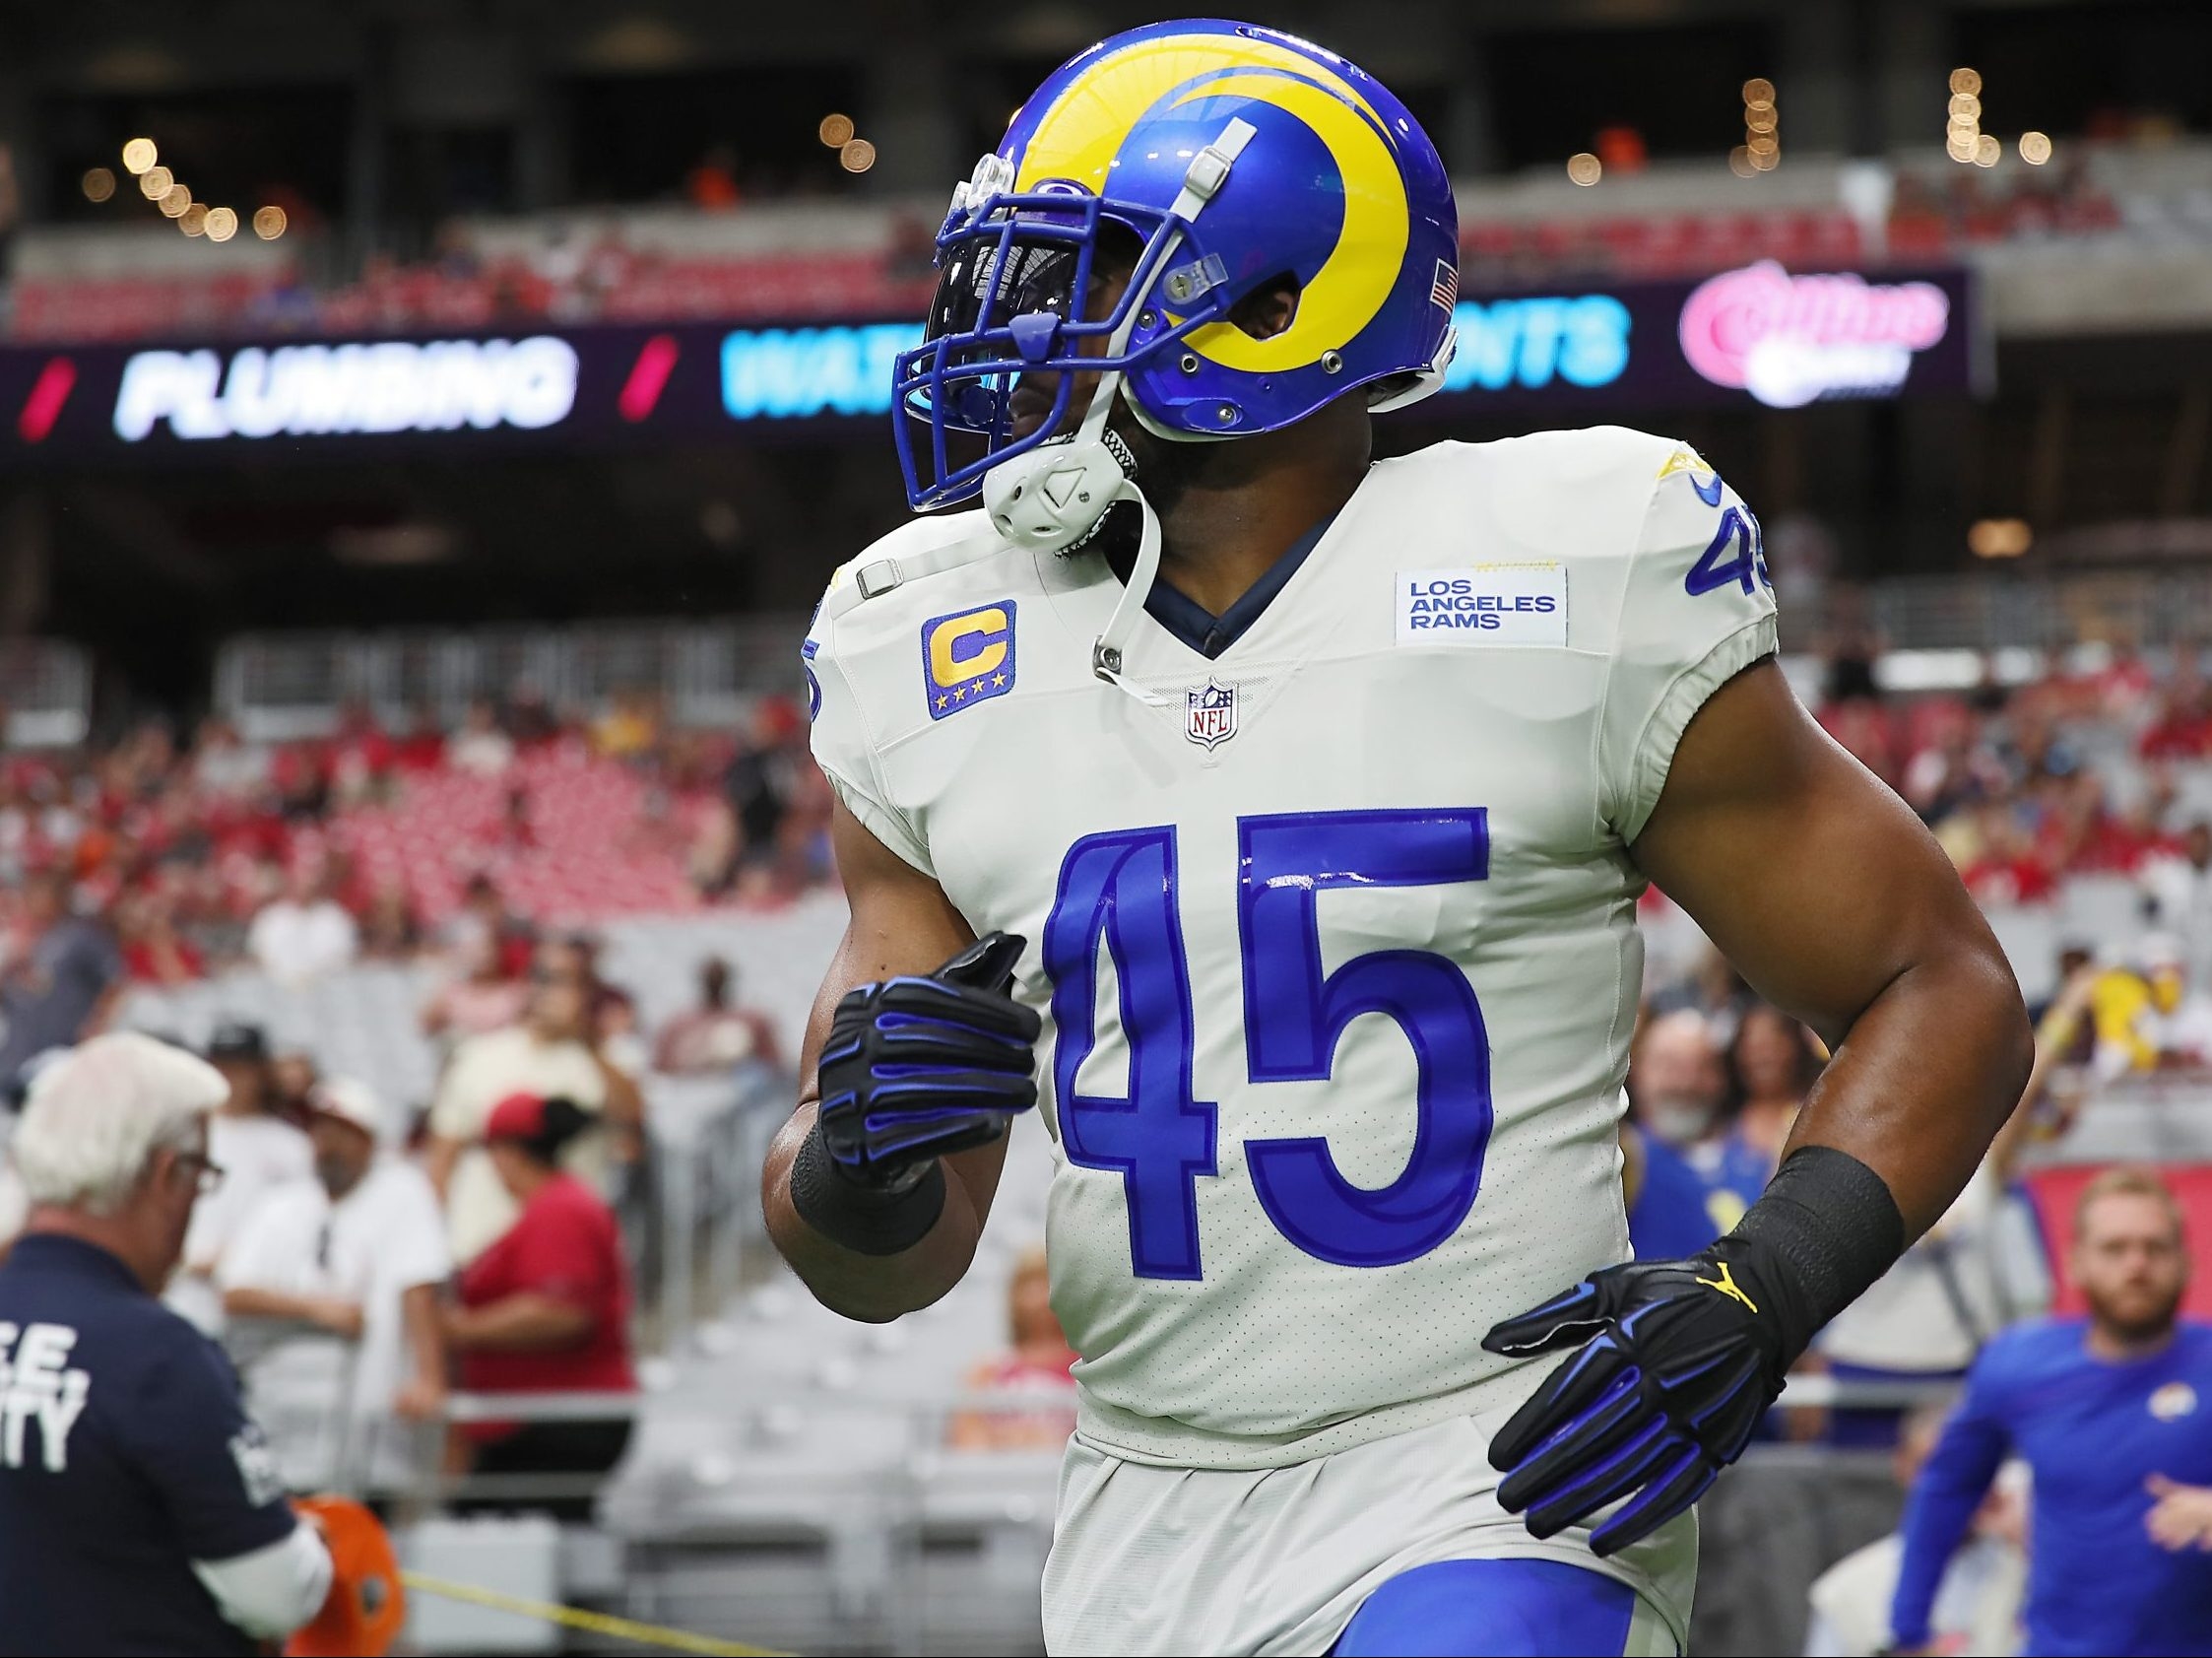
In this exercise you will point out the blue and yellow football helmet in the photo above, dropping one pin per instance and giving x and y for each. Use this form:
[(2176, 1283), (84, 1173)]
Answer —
[(1231, 154)]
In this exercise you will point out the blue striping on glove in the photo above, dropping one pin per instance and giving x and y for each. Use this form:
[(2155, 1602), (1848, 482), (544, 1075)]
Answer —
[(1675, 1363), (921, 1066)]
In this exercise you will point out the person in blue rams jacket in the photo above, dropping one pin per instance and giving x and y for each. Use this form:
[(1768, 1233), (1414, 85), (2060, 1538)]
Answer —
[(2113, 1414), (140, 1509), (1665, 1197)]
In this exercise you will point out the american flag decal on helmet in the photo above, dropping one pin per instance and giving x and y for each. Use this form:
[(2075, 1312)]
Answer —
[(1445, 291)]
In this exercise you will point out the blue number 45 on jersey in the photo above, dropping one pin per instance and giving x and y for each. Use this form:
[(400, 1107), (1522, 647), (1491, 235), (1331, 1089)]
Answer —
[(1123, 886)]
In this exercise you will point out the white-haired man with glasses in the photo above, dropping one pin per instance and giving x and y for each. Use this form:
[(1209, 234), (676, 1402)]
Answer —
[(139, 1510)]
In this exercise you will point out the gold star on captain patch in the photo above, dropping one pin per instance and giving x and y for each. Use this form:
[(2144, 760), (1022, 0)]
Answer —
[(997, 678), (943, 701), (962, 694), (977, 686)]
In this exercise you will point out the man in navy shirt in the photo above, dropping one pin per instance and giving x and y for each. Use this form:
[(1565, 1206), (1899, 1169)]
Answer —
[(2113, 1414), (140, 1509)]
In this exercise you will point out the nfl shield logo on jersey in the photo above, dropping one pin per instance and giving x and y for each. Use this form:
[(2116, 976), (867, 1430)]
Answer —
[(1209, 716)]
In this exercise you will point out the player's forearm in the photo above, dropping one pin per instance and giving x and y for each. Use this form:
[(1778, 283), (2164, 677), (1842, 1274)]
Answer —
[(874, 1288), (1925, 1076)]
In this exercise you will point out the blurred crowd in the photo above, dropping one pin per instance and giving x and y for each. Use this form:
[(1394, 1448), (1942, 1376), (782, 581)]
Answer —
[(158, 862), (2080, 776), (2100, 776), (347, 1248), (1937, 212)]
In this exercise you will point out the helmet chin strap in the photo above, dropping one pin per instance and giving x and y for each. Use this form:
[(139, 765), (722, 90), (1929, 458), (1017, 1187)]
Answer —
[(1106, 650), (1054, 498)]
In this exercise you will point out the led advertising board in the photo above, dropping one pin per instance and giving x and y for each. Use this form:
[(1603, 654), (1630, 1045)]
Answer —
[(1574, 352)]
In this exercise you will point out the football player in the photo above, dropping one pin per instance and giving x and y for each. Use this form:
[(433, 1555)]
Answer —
[(1278, 818)]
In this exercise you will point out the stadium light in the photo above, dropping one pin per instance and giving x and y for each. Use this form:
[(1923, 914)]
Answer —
[(1999, 538), (856, 155), (138, 154), (836, 131), (1585, 168), (1761, 149), (269, 222), (153, 184), (2034, 148), (193, 221), (100, 185), (175, 200), (1963, 139), (222, 223)]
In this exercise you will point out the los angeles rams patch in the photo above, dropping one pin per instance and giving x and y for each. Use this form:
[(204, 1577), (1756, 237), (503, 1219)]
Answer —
[(967, 657), (1484, 605)]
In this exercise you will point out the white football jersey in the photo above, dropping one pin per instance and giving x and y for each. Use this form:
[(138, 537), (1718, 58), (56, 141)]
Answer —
[(1333, 935)]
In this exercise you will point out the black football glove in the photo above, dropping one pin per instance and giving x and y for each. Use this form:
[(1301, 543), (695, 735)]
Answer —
[(1677, 1361), (919, 1067)]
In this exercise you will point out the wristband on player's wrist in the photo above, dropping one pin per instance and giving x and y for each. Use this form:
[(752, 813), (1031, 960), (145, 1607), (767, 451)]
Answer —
[(1823, 1231), (869, 1220)]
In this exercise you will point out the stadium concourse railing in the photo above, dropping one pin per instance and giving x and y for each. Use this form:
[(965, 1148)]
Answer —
[(1938, 632), (45, 694), (827, 1511), (280, 685), (859, 1527), (693, 1230), (2096, 234)]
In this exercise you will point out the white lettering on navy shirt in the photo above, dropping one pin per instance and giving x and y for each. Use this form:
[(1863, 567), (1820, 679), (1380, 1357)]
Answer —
[(35, 1387)]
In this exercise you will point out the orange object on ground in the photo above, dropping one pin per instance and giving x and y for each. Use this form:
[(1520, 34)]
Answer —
[(367, 1605)]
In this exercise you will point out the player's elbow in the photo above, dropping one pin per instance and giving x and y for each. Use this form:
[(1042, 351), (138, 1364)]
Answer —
[(1988, 1004), (2015, 1033)]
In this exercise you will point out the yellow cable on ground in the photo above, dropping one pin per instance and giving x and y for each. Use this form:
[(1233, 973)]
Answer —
[(596, 1623)]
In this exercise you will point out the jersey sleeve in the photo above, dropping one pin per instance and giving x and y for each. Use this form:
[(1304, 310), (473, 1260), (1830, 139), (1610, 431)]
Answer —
[(844, 745), (190, 1435), (1696, 610)]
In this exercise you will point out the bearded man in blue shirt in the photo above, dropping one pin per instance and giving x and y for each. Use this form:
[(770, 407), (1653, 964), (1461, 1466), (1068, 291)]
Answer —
[(2113, 1414)]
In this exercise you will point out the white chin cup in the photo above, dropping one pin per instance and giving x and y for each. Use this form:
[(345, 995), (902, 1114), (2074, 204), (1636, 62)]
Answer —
[(1052, 498)]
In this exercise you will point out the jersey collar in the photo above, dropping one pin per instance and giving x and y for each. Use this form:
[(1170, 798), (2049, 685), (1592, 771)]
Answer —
[(1198, 627)]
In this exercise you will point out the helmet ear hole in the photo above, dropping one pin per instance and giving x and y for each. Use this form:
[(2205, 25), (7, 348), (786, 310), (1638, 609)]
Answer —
[(1268, 310)]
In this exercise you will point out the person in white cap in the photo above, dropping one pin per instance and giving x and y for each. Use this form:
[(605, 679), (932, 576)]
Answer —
[(359, 1252)]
